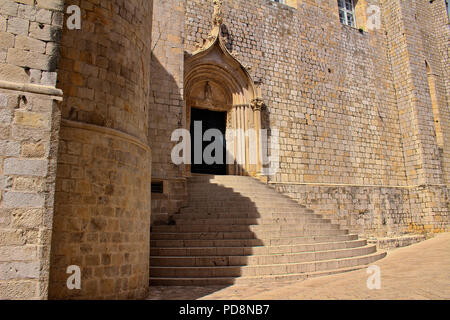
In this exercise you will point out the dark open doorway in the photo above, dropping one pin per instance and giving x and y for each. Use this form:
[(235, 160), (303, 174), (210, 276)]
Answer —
[(210, 120)]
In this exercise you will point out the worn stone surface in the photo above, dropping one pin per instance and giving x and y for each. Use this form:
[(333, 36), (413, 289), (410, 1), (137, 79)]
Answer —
[(102, 201), (362, 115), (104, 69), (351, 144), (417, 272), (102, 216), (29, 125), (27, 176)]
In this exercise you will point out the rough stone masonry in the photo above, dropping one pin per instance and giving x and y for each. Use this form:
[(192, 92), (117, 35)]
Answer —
[(86, 118)]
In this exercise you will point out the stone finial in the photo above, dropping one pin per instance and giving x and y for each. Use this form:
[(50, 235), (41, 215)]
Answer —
[(217, 21), (217, 18)]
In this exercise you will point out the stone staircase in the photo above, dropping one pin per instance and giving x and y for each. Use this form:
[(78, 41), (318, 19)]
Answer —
[(237, 229)]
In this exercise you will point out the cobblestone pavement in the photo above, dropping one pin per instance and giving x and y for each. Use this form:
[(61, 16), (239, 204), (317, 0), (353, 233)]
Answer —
[(420, 271)]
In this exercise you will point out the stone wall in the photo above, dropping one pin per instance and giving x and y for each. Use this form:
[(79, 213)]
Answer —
[(423, 115), (440, 32), (363, 124), (102, 210), (353, 107), (102, 214), (329, 91), (365, 210), (29, 125)]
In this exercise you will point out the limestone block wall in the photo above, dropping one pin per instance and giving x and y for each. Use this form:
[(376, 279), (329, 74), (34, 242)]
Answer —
[(329, 91), (102, 214), (435, 47), (353, 108), (327, 88), (29, 125), (422, 113), (441, 33), (102, 201), (410, 46), (365, 210), (166, 103), (104, 70)]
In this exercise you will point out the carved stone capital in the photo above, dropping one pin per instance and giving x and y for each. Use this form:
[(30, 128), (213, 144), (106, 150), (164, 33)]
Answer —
[(257, 104)]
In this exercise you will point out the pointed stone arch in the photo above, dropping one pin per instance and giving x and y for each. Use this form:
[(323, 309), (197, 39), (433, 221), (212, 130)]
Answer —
[(433, 91), (214, 79)]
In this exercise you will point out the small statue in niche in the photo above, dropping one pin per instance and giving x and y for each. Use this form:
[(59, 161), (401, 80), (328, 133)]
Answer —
[(208, 92)]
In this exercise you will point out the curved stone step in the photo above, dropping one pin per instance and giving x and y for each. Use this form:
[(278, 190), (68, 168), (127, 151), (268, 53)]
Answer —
[(246, 221), (251, 242), (260, 250), (219, 191), (263, 270), (227, 182), (237, 229), (246, 234), (194, 228), (250, 260), (224, 195), (244, 205), (261, 210), (247, 280), (201, 214), (240, 196)]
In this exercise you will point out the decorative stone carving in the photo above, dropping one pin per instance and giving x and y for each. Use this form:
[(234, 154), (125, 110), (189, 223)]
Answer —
[(216, 80), (208, 92), (217, 21), (257, 104), (217, 18)]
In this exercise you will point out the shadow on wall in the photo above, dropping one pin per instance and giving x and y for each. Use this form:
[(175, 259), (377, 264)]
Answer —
[(208, 239), (207, 236), (209, 243), (102, 198), (165, 116)]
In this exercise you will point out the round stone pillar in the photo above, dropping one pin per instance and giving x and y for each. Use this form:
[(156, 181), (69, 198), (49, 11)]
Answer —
[(102, 199)]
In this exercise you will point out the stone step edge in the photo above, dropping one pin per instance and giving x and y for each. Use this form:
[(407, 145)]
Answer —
[(155, 228), (265, 278), (305, 237), (275, 265), (242, 239), (281, 246), (207, 232), (262, 215), (269, 255), (250, 181), (257, 279), (258, 223)]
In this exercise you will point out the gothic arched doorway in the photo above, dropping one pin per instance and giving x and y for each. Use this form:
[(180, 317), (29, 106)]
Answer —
[(219, 91)]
